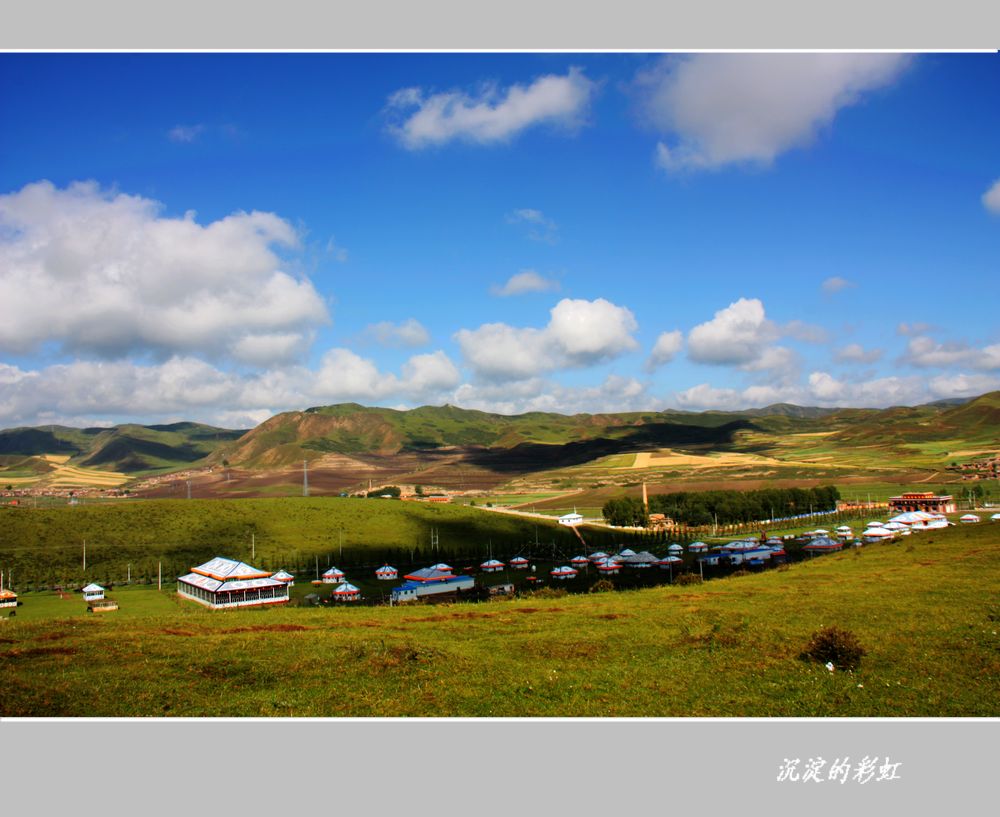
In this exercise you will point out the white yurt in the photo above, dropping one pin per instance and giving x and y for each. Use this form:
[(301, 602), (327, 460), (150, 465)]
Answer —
[(386, 573), (346, 592)]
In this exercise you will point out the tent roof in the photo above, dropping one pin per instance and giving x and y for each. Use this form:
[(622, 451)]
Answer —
[(92, 588), (333, 572), (223, 569), (430, 574), (282, 574), (346, 589)]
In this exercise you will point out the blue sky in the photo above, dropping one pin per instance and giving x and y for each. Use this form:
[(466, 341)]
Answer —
[(221, 237)]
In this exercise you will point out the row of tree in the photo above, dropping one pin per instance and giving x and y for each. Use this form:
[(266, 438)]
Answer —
[(722, 507)]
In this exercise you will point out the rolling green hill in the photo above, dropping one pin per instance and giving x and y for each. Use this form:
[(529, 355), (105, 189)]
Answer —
[(130, 449)]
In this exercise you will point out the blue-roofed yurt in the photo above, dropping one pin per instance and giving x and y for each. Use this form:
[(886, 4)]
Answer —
[(333, 576), (579, 561), (519, 563), (491, 566), (284, 576), (564, 572), (386, 573), (346, 592), (609, 567)]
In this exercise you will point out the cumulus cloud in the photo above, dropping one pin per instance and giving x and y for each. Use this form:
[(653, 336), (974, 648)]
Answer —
[(991, 198), (491, 115), (719, 109), (525, 281), (737, 335), (856, 353), (579, 333), (540, 227), (926, 352), (187, 387), (106, 274), (614, 394), (667, 345), (836, 284), (409, 333)]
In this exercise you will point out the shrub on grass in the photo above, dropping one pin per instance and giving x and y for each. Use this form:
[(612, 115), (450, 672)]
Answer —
[(549, 593), (688, 578), (602, 586), (832, 645)]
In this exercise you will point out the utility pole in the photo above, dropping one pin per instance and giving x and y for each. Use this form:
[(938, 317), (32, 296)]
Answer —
[(253, 546), (305, 477), (188, 488), (84, 555), (159, 575)]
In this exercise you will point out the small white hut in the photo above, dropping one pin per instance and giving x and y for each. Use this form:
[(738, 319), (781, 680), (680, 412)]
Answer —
[(93, 592), (333, 576)]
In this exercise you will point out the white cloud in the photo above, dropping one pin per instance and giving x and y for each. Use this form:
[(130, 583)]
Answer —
[(185, 133), (836, 284), (579, 333), (541, 228), (524, 281), (492, 115), (856, 353), (991, 198), (409, 333), (737, 335), (667, 345), (614, 394), (104, 273), (749, 108), (190, 388), (926, 352)]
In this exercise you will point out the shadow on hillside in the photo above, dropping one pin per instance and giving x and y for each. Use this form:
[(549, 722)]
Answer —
[(541, 456)]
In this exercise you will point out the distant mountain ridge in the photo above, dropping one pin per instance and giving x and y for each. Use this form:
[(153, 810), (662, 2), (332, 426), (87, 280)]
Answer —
[(353, 430)]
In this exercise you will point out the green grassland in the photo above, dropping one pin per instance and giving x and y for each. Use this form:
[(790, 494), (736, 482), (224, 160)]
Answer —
[(44, 545), (926, 610)]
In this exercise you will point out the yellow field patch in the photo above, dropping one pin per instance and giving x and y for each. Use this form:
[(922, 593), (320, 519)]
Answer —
[(68, 476), (667, 457)]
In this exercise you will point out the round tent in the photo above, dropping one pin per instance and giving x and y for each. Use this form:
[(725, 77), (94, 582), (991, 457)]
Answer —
[(519, 563), (626, 552), (609, 567), (284, 576), (386, 573), (564, 572), (491, 566), (346, 592), (596, 557), (969, 517), (697, 547), (675, 548), (877, 534), (442, 567), (578, 561), (669, 561), (995, 517), (333, 576)]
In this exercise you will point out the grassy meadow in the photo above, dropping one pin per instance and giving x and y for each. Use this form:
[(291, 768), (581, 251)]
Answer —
[(925, 609), (44, 545)]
